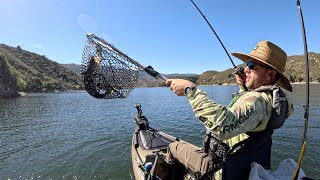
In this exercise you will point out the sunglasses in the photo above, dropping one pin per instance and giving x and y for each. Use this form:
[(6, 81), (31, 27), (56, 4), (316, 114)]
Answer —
[(251, 65)]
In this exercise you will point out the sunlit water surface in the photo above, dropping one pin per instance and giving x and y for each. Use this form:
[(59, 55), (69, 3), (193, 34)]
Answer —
[(74, 136)]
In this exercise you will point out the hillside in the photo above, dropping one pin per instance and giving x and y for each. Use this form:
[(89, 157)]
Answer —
[(24, 71), (295, 71), (73, 67), (8, 84), (36, 73)]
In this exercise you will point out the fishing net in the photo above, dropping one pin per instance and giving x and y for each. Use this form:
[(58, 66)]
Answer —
[(105, 72), (108, 73)]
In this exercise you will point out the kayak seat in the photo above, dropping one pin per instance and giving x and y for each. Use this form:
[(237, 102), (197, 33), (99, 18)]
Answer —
[(153, 140)]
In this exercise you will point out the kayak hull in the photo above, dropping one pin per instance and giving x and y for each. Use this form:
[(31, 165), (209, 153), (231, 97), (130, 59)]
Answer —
[(148, 150)]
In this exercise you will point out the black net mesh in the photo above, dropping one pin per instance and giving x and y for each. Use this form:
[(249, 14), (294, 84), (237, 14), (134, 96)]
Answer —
[(106, 73)]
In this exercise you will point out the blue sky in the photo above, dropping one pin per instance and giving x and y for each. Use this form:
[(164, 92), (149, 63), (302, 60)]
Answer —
[(169, 35)]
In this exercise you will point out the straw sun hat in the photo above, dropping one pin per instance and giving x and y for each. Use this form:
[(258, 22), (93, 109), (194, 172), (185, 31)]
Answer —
[(271, 55)]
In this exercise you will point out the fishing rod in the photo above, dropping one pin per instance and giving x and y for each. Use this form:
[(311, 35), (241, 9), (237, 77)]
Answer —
[(109, 73), (306, 106), (238, 70)]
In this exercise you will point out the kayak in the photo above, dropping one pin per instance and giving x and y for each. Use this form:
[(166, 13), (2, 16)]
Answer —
[(148, 150)]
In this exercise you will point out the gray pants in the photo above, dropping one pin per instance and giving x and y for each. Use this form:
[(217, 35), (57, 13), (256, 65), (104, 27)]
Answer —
[(193, 158)]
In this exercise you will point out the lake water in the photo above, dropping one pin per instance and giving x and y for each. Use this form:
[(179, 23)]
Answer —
[(75, 136)]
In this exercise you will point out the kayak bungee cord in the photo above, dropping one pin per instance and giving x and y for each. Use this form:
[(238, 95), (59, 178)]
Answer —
[(306, 106), (238, 70)]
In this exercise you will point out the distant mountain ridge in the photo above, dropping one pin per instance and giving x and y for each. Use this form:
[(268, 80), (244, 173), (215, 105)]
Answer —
[(36, 73), (24, 71), (73, 67), (145, 80), (294, 72)]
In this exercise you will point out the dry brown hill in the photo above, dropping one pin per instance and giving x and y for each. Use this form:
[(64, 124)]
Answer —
[(295, 71), (36, 73)]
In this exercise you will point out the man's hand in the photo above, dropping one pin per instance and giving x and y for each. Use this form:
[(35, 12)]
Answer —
[(240, 80), (178, 85)]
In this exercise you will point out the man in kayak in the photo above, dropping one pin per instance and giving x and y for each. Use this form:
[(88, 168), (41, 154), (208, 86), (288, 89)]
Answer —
[(240, 133)]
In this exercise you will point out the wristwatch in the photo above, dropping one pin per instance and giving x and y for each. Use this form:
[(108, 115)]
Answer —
[(188, 90)]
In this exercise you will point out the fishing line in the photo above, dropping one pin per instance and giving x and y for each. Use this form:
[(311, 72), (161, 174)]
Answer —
[(87, 23), (97, 10), (109, 73), (237, 70), (215, 34)]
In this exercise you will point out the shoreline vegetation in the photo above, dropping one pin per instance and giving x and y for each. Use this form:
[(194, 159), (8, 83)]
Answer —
[(25, 72), (234, 84), (24, 94)]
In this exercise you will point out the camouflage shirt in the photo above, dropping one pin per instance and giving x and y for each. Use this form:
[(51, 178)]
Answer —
[(250, 112)]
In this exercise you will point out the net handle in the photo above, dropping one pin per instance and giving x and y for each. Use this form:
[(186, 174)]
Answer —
[(148, 69)]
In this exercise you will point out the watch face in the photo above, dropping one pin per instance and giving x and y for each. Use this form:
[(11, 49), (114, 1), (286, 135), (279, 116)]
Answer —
[(187, 90)]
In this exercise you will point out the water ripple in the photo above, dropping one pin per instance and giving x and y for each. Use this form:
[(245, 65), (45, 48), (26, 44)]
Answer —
[(74, 136)]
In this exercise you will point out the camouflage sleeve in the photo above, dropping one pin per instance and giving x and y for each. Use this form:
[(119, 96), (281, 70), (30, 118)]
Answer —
[(249, 111)]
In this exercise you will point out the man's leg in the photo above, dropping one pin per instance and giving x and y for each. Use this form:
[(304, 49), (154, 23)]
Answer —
[(192, 157)]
